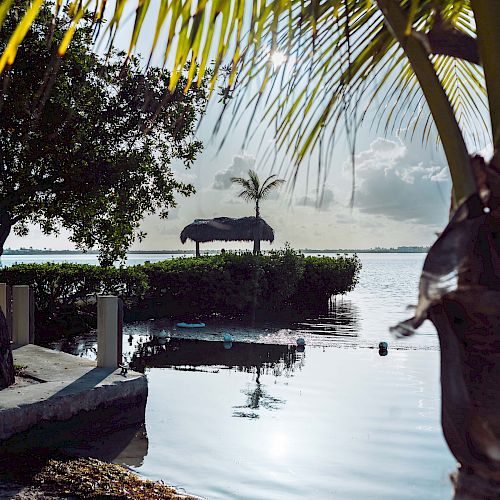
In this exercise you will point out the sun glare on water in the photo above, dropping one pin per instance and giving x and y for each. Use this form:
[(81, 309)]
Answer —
[(278, 445)]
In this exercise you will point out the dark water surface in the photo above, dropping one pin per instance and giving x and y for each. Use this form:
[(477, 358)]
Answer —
[(258, 419)]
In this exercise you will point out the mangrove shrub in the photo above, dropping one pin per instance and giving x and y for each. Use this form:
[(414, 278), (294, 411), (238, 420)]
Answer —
[(230, 285)]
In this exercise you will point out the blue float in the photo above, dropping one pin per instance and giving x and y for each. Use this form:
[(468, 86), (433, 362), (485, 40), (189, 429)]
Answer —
[(190, 325)]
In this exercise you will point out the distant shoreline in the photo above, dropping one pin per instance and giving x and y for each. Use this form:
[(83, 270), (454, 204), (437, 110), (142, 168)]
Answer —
[(35, 251)]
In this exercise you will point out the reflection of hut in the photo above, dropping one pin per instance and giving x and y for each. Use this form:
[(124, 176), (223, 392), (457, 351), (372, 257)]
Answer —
[(242, 355), (226, 229)]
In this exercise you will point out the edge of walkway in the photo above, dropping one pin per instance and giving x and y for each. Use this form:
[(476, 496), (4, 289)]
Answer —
[(67, 386)]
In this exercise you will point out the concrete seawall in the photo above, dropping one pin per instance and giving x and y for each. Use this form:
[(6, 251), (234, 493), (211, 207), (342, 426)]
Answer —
[(69, 386)]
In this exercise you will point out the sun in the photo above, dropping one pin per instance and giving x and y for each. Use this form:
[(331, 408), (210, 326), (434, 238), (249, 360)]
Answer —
[(277, 58)]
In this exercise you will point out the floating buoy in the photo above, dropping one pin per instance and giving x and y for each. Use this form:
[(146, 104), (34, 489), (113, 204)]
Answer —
[(301, 341), (163, 334), (382, 349), (228, 337), (227, 345)]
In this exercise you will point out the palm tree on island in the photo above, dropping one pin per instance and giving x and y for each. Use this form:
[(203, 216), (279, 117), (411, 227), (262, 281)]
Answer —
[(255, 191)]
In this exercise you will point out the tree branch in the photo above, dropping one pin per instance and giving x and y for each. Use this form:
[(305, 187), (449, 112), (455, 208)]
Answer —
[(448, 41)]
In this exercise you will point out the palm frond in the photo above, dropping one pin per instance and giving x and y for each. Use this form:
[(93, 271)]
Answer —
[(335, 51), (254, 180), (264, 193), (249, 191), (269, 185)]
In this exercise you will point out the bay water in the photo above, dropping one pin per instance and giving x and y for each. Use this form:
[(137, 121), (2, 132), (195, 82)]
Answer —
[(261, 419)]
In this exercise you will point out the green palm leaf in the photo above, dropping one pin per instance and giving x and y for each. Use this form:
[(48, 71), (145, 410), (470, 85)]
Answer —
[(336, 50)]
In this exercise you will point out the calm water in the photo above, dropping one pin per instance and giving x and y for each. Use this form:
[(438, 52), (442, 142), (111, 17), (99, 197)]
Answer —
[(259, 420)]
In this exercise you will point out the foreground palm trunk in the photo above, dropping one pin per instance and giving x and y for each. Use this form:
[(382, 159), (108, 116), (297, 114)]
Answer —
[(6, 363), (460, 294)]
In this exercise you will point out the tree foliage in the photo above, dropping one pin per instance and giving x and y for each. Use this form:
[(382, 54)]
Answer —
[(229, 284), (254, 190), (84, 142)]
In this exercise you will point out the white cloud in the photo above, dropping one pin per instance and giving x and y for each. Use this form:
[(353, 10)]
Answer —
[(397, 181), (322, 199), (240, 166)]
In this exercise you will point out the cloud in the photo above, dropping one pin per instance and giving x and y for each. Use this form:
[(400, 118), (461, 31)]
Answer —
[(240, 166), (402, 184), (322, 199)]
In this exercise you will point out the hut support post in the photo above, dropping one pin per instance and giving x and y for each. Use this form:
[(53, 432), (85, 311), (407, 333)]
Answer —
[(197, 249)]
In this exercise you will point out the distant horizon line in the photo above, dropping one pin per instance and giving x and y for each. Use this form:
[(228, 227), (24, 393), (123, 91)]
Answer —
[(39, 251)]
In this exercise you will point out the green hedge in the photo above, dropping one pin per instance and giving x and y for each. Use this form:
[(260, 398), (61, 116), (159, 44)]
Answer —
[(231, 284)]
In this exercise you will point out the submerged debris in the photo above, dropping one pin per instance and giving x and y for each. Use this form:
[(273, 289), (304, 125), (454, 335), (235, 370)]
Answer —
[(91, 478)]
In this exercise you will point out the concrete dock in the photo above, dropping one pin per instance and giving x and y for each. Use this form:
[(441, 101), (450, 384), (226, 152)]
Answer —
[(65, 386)]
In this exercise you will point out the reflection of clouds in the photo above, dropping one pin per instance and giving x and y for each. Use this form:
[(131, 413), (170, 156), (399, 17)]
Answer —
[(240, 166)]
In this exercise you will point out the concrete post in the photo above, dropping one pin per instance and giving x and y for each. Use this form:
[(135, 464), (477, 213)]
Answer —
[(6, 305), (23, 313), (109, 331)]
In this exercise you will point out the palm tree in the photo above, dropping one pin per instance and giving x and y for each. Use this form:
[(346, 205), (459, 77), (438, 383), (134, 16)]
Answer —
[(255, 191), (433, 62)]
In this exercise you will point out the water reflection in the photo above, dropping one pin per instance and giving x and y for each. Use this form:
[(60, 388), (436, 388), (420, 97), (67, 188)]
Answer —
[(340, 327), (275, 359), (257, 398), (258, 359), (340, 324), (116, 434)]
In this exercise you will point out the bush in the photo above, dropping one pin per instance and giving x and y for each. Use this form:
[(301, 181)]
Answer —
[(65, 294), (326, 276), (231, 284)]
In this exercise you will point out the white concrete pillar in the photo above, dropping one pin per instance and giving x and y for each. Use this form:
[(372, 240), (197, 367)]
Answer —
[(109, 331), (23, 313), (6, 305)]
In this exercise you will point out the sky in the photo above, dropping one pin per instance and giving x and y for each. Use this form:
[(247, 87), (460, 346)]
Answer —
[(401, 197)]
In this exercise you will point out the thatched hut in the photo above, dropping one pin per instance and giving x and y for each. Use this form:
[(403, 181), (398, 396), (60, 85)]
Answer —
[(227, 229)]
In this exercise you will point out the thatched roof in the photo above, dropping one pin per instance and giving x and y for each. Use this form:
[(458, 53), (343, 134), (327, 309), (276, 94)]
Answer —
[(226, 229)]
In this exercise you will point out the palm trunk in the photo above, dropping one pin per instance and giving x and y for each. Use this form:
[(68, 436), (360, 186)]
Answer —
[(257, 230), (467, 320), (468, 324), (466, 315), (6, 362), (437, 100)]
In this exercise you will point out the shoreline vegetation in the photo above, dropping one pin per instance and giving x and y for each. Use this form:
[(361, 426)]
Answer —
[(45, 251), (44, 476), (231, 285)]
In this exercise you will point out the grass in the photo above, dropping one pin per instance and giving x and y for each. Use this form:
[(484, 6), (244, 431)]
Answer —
[(19, 369)]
